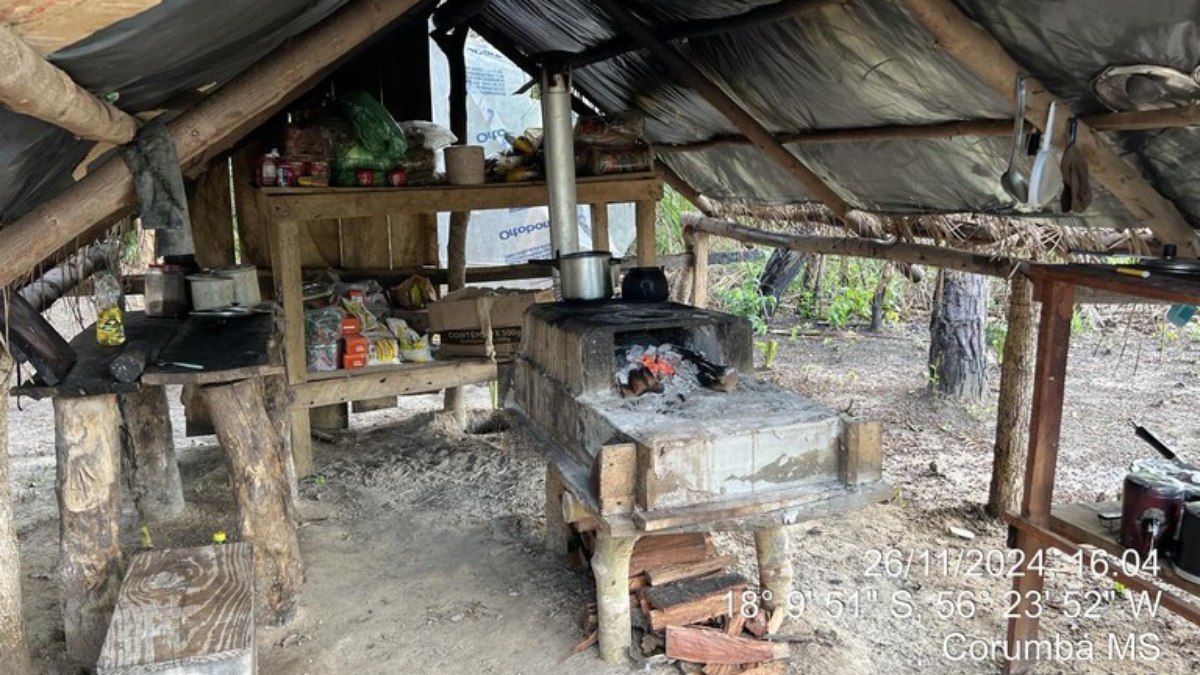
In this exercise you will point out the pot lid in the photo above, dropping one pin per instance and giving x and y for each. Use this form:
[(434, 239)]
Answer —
[(1145, 87), (1157, 484)]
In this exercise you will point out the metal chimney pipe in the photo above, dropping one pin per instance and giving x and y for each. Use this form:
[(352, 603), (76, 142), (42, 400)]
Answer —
[(558, 142)]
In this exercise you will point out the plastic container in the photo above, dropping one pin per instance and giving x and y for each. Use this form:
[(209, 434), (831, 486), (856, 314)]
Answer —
[(166, 291), (110, 318), (465, 165), (210, 291), (245, 284)]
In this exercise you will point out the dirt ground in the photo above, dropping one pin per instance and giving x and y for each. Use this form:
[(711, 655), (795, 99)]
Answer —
[(422, 543)]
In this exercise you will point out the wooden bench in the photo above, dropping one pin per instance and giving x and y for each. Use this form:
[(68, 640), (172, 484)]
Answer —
[(188, 610)]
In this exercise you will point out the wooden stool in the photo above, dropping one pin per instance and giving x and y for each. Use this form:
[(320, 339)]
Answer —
[(187, 610)]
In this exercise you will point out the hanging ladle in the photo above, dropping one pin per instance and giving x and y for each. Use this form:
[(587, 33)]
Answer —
[(1014, 182)]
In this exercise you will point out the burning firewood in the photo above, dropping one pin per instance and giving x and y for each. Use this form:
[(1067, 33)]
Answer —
[(712, 375), (640, 380)]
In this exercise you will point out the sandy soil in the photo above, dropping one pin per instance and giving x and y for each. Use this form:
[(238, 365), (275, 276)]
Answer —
[(422, 543)]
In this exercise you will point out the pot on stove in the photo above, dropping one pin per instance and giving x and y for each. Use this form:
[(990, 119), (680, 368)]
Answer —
[(1151, 507), (584, 275)]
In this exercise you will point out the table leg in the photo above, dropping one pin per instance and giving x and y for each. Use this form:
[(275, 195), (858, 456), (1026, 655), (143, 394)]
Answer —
[(87, 442), (558, 532), (774, 572), (1054, 335), (610, 567), (150, 448), (266, 513)]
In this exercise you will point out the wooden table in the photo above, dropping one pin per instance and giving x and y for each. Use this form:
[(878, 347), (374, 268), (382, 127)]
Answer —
[(95, 417), (1038, 526)]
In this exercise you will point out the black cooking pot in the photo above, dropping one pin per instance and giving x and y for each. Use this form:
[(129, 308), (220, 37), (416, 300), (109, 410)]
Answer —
[(645, 284), (1151, 506)]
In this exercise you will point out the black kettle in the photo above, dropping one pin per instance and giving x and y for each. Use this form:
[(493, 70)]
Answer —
[(645, 284)]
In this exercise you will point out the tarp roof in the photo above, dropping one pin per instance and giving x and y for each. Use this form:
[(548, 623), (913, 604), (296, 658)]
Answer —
[(859, 64)]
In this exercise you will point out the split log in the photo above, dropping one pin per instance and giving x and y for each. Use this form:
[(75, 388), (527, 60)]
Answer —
[(687, 602), (87, 445), (1012, 409), (63, 278), (33, 339), (254, 454), (31, 85), (14, 646), (972, 46), (665, 574), (957, 349), (920, 254), (668, 549), (709, 645), (149, 446), (610, 565), (129, 365), (205, 131)]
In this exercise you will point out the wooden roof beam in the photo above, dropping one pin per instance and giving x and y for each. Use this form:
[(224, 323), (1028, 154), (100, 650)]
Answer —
[(202, 133), (975, 48), (1139, 120), (686, 30), (31, 85), (686, 72)]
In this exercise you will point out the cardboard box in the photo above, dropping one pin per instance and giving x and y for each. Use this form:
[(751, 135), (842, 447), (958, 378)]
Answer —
[(459, 319)]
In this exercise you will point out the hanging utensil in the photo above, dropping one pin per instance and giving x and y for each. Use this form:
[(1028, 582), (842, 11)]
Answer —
[(1046, 179), (1144, 434), (1077, 188), (1013, 180)]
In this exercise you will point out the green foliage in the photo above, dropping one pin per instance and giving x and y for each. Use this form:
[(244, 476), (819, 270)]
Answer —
[(850, 302), (995, 333), (668, 234), (769, 350), (1080, 324), (744, 299)]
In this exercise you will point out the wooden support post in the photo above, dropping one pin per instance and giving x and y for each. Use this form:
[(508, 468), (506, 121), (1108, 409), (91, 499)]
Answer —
[(278, 396), (774, 571), (150, 450), (1012, 409), (373, 404), (87, 443), (1054, 339), (558, 532), (600, 238), (454, 45), (645, 213), (701, 245), (14, 648), (610, 567), (285, 257), (258, 473)]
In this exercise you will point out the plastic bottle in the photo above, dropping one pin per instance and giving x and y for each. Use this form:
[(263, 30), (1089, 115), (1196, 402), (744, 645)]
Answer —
[(110, 320)]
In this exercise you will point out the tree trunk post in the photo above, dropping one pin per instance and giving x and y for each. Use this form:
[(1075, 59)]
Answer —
[(454, 45), (957, 356), (774, 570), (610, 568), (1012, 410), (149, 447), (558, 533), (885, 277), (87, 443), (701, 247), (254, 453), (782, 267), (14, 647)]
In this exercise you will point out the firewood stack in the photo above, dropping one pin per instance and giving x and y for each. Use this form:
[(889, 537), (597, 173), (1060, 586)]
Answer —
[(681, 592)]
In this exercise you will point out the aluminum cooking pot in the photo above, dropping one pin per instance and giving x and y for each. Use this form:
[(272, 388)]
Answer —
[(584, 275)]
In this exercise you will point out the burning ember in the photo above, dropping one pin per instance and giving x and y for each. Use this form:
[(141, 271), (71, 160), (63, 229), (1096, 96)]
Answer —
[(667, 368)]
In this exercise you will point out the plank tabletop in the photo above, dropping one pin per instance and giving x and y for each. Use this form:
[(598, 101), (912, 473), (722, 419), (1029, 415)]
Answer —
[(227, 349), (1158, 286)]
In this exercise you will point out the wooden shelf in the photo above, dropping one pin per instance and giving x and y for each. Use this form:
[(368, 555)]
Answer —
[(341, 386), (306, 204), (1161, 287)]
